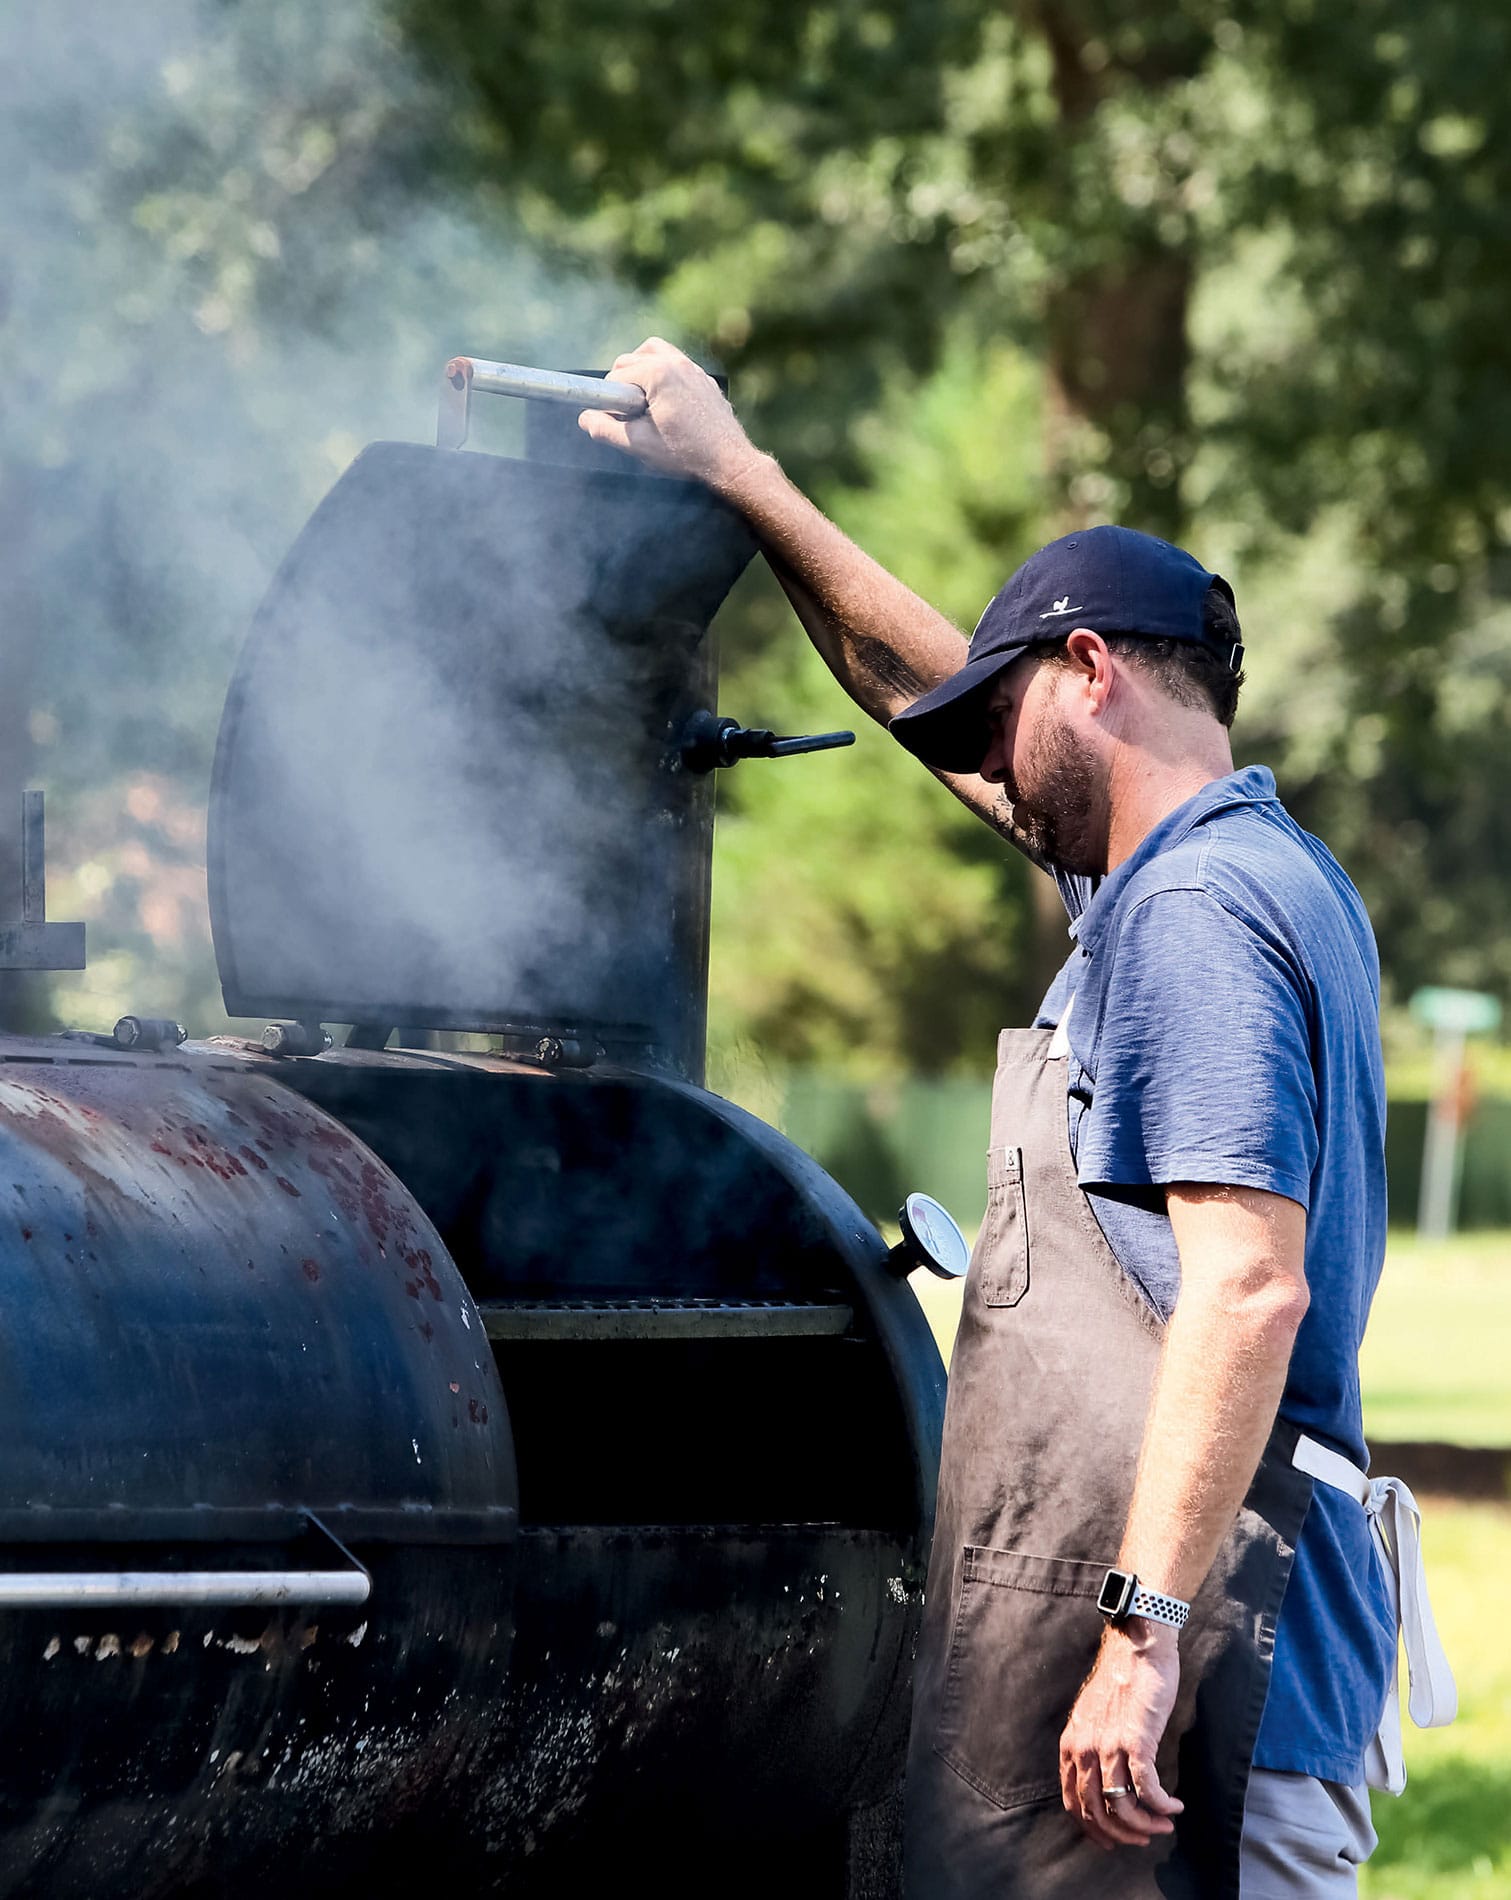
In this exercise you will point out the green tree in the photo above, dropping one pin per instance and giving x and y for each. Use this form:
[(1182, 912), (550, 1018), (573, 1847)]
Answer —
[(1256, 249)]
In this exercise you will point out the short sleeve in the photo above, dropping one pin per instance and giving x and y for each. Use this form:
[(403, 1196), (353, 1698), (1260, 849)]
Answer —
[(1203, 1056)]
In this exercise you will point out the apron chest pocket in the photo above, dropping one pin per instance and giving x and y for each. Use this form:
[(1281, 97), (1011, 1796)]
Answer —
[(1026, 1634), (1002, 1245)]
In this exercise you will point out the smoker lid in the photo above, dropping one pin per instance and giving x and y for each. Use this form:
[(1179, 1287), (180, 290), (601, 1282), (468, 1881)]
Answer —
[(442, 793)]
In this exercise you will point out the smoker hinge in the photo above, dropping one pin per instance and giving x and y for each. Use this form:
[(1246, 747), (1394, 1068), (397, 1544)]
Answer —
[(34, 943)]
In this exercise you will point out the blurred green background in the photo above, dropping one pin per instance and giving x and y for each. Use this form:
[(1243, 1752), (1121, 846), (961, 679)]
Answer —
[(1229, 270)]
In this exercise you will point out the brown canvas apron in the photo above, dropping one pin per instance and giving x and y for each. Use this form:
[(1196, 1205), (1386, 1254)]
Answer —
[(1049, 1386)]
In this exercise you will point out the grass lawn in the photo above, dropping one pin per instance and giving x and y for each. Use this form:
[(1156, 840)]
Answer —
[(1449, 1836), (1437, 1356)]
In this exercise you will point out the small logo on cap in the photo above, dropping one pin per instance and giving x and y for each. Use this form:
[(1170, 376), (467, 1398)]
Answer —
[(1061, 606)]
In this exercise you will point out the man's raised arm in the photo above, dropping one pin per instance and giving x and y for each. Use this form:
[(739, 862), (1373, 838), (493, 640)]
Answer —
[(884, 644)]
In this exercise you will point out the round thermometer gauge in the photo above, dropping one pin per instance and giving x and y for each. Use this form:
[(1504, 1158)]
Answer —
[(934, 1237)]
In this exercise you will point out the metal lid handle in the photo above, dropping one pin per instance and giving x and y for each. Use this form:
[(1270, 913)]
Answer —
[(467, 376)]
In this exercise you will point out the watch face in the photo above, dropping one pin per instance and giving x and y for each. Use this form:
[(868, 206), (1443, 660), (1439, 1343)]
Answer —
[(1118, 1587)]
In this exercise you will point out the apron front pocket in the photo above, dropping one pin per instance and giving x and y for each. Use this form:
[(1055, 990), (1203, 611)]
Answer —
[(1026, 1634), (1001, 1256)]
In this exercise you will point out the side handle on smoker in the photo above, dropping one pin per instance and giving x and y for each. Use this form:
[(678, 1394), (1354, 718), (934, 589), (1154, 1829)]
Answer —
[(119, 1589), (708, 741), (466, 376)]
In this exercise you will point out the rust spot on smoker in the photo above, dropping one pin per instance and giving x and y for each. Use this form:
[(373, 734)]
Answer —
[(477, 1411), (417, 1259), (142, 1646), (311, 1270), (198, 1149), (287, 1186), (209, 1154), (251, 1154), (375, 1205)]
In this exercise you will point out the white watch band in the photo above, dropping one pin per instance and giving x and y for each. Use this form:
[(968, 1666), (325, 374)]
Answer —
[(1159, 1608)]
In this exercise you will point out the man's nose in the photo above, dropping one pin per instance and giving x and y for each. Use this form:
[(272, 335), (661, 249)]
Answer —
[(994, 765)]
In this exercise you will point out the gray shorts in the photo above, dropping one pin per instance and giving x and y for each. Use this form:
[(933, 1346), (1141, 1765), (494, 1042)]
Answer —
[(1303, 1839)]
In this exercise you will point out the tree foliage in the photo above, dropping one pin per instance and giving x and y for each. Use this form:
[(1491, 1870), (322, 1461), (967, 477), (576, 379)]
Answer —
[(1256, 247), (1224, 268)]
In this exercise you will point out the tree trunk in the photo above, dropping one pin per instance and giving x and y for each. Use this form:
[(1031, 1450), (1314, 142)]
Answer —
[(1118, 351)]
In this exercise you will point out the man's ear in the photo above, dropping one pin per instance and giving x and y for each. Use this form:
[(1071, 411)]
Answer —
[(1091, 659)]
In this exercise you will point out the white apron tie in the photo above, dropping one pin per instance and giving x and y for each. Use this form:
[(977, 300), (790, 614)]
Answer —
[(1395, 1524)]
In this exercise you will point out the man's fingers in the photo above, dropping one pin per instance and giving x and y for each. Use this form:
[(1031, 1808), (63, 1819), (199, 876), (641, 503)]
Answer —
[(630, 368), (1097, 1816), (647, 358), (1068, 1784), (1126, 1808), (1145, 1777), (604, 427), (1115, 1819)]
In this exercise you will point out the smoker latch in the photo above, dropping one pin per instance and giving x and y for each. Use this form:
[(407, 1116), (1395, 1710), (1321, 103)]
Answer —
[(708, 741)]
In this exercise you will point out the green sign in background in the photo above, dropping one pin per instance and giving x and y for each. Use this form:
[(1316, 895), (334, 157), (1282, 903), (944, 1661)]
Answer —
[(1457, 1012)]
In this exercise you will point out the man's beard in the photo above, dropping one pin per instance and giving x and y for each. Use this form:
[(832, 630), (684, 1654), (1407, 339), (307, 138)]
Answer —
[(1059, 801)]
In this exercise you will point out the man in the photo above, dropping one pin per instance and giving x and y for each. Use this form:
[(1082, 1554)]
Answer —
[(1154, 1405)]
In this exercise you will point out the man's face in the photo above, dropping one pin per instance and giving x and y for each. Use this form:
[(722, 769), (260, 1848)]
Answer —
[(1054, 777)]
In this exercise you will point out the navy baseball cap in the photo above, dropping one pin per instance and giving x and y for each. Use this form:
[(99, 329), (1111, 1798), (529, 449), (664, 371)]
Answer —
[(1110, 580)]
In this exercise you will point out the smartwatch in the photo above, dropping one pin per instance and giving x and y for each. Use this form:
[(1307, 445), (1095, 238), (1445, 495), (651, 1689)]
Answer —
[(1122, 1596)]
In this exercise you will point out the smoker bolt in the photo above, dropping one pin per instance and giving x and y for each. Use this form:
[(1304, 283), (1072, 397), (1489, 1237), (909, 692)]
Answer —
[(148, 1032), (295, 1039), (559, 1052)]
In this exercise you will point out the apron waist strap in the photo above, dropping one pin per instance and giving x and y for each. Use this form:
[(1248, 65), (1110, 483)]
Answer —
[(1395, 1525)]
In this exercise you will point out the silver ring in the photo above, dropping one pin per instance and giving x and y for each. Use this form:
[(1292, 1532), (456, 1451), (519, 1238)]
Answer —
[(1115, 1794)]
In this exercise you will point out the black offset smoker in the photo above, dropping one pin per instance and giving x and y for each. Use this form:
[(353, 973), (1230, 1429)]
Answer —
[(517, 1467)]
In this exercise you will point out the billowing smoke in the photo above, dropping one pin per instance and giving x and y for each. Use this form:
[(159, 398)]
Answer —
[(225, 264)]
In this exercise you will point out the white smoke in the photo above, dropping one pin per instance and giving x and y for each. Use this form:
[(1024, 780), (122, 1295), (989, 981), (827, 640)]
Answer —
[(225, 264)]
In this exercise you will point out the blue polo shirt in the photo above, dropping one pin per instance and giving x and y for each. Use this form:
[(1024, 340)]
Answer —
[(1225, 1028)]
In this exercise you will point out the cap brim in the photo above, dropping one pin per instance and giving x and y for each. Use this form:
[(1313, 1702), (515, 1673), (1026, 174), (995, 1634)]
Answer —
[(948, 728)]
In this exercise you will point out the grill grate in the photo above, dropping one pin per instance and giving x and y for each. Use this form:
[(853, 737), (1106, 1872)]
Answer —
[(664, 1319)]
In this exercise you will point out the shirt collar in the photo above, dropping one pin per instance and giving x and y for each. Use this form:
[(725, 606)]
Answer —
[(1254, 785)]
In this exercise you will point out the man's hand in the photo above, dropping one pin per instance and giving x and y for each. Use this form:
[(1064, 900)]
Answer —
[(688, 427), (1113, 1732)]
